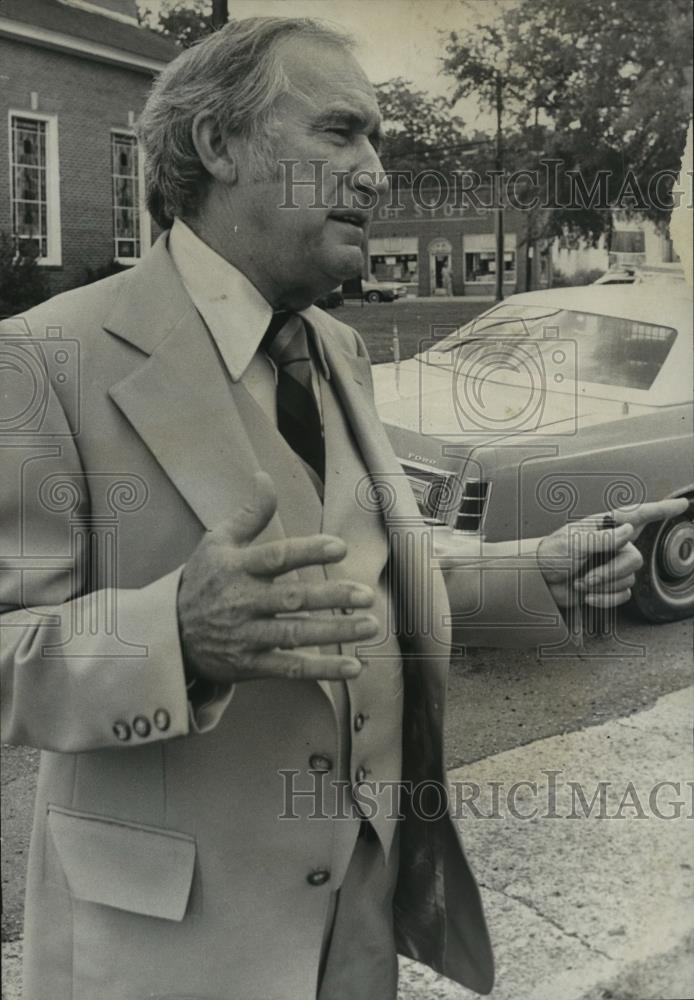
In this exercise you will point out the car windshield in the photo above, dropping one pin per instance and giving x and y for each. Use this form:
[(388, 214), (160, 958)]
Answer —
[(586, 347)]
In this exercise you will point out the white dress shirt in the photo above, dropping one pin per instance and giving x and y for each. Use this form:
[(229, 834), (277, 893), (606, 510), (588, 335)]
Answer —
[(234, 311)]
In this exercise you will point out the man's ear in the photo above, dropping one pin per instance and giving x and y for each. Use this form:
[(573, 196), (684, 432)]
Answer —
[(216, 153)]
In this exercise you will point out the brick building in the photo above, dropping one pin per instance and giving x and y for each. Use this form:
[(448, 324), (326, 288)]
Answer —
[(417, 244), (75, 74)]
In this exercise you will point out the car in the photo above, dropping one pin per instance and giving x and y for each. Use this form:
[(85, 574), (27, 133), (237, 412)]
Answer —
[(330, 300), (376, 291), (550, 406), (617, 276), (642, 273)]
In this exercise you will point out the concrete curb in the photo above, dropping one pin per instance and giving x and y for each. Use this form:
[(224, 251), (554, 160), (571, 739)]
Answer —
[(582, 907)]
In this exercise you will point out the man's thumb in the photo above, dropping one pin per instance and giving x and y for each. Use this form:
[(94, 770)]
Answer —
[(255, 515)]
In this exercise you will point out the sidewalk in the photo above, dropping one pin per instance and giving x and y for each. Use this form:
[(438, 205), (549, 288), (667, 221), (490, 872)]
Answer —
[(587, 908), (583, 908)]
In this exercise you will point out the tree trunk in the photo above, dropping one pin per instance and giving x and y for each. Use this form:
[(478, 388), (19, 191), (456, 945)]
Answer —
[(220, 13)]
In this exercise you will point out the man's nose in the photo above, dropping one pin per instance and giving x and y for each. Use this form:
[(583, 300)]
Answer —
[(368, 174)]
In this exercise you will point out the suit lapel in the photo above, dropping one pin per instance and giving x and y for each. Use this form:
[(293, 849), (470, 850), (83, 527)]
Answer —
[(179, 398)]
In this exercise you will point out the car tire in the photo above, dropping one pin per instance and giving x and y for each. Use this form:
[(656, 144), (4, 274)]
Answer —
[(664, 588), (373, 296)]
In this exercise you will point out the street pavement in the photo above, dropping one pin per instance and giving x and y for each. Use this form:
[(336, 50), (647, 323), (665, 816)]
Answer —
[(586, 898)]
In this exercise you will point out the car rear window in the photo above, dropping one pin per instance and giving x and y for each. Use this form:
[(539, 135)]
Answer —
[(606, 350)]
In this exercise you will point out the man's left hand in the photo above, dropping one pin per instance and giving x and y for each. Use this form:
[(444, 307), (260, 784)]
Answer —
[(565, 557)]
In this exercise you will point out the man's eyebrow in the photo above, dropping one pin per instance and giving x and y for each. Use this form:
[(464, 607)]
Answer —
[(352, 119)]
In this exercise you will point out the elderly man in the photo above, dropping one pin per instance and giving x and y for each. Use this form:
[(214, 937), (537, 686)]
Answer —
[(215, 631)]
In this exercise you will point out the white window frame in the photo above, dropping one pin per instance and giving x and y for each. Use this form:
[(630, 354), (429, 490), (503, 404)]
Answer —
[(144, 216), (54, 256)]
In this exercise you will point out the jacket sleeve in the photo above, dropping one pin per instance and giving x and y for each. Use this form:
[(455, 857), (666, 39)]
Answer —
[(80, 670)]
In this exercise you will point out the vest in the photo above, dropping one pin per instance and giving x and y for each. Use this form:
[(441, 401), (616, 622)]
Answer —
[(368, 708)]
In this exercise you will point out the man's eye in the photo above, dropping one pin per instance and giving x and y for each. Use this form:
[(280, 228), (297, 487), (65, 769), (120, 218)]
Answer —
[(343, 133)]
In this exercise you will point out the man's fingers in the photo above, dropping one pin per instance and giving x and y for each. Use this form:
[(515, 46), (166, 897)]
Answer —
[(660, 510), (589, 540), (292, 633), (275, 558), (281, 597), (611, 600), (253, 517), (607, 576), (306, 666)]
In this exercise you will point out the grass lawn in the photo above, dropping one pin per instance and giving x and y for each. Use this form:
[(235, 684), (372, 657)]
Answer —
[(417, 321)]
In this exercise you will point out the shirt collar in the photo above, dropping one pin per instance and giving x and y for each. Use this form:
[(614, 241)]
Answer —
[(233, 309)]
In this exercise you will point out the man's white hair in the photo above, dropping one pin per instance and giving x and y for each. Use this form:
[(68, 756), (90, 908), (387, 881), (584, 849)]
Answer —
[(236, 76)]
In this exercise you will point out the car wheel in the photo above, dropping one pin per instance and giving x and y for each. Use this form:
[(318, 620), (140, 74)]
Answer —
[(664, 588), (373, 296)]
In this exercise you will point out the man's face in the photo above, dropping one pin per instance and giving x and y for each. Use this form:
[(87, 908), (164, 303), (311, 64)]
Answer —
[(330, 116)]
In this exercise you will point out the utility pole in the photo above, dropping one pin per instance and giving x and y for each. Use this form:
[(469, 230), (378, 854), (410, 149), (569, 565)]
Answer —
[(220, 13), (499, 210)]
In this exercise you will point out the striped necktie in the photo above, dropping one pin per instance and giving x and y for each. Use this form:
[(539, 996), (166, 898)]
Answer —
[(286, 343)]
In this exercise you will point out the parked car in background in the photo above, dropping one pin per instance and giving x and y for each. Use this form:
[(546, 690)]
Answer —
[(617, 276), (330, 300), (644, 273), (548, 407), (375, 291)]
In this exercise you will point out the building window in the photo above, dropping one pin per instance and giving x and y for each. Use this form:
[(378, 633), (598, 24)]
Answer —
[(481, 266), (35, 185), (127, 208)]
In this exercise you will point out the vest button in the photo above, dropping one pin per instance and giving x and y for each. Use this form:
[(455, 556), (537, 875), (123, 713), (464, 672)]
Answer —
[(359, 721), (319, 762), (319, 877), (360, 774)]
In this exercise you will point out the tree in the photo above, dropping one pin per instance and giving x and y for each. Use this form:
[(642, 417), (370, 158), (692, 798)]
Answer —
[(185, 21), (420, 131), (602, 85)]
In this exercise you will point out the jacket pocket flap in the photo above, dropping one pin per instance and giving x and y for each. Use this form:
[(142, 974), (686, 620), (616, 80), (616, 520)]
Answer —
[(141, 869)]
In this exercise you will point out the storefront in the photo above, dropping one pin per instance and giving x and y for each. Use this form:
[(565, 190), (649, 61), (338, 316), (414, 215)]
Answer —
[(448, 249), (394, 259)]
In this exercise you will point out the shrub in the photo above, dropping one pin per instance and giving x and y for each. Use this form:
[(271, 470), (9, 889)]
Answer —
[(22, 282), (92, 274)]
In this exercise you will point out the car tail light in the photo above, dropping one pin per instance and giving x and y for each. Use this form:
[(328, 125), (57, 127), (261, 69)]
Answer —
[(473, 505)]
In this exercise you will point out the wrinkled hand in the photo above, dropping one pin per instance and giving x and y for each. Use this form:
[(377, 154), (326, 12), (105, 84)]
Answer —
[(230, 600), (563, 556)]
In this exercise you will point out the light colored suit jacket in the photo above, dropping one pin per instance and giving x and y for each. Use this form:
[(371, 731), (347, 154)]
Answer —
[(158, 867)]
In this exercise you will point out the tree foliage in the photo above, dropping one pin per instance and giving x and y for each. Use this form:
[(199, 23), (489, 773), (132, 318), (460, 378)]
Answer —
[(603, 85), (185, 21), (420, 131)]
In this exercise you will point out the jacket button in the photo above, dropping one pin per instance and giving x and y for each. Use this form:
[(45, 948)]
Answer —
[(141, 726), (121, 731), (162, 720), (319, 762), (319, 877), (359, 721), (360, 774)]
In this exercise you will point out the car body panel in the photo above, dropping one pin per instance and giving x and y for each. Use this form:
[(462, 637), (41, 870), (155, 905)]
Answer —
[(585, 449)]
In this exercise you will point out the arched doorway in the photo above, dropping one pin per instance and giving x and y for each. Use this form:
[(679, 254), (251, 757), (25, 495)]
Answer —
[(440, 262)]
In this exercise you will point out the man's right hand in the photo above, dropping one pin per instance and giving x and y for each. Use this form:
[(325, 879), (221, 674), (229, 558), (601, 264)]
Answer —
[(230, 598)]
